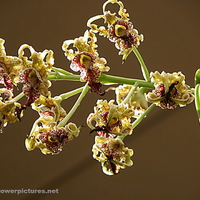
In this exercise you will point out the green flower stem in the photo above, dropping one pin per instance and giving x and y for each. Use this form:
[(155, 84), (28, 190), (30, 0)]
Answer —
[(138, 120), (121, 137), (197, 100), (142, 63), (104, 78), (18, 97), (71, 93), (57, 76), (197, 77), (62, 71), (74, 108), (130, 93)]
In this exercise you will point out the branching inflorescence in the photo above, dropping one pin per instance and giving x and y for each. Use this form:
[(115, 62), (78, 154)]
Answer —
[(111, 120)]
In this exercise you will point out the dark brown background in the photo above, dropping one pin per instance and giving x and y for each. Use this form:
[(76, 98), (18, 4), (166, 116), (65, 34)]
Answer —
[(166, 144)]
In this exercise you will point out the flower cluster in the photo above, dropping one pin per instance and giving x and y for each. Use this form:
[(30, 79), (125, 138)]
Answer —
[(170, 90), (86, 60), (32, 74), (46, 133), (119, 29), (111, 121)]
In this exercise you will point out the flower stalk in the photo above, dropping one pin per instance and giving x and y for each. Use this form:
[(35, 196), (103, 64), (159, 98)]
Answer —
[(106, 79), (71, 93), (18, 97), (55, 76), (103, 78), (74, 108), (144, 69), (62, 71), (133, 89), (197, 100), (138, 120)]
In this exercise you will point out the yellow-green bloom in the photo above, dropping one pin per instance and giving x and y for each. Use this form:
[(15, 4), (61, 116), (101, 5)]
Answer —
[(32, 73), (10, 68), (112, 154), (49, 138), (170, 90), (49, 107), (45, 133), (110, 120), (119, 29), (34, 76), (86, 60)]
